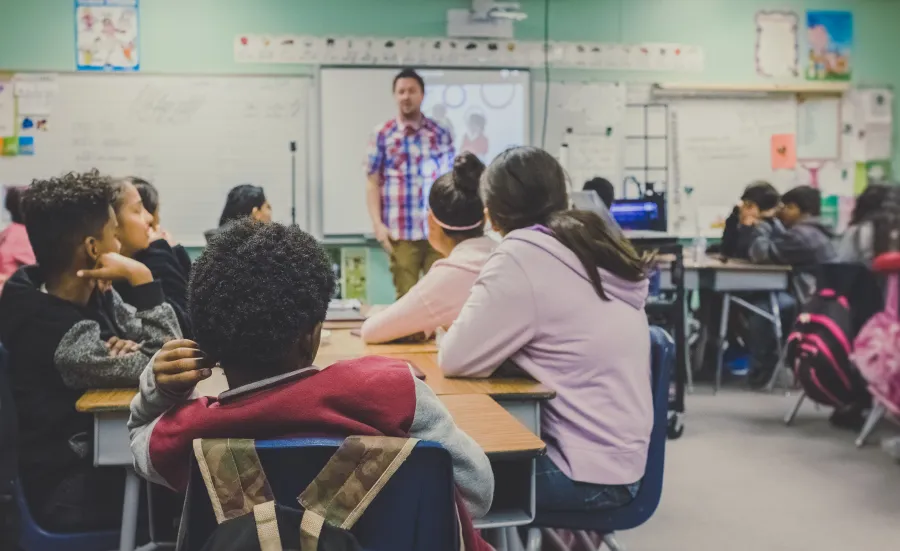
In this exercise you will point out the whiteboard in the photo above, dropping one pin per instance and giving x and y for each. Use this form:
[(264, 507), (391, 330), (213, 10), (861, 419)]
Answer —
[(354, 101), (193, 137), (721, 145)]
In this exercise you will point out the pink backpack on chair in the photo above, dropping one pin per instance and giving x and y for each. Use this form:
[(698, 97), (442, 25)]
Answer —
[(876, 350)]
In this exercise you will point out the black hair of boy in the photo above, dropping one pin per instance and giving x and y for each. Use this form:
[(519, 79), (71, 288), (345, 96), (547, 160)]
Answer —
[(13, 204), (869, 203), (241, 201), (807, 198), (408, 72), (257, 294), (603, 188), (148, 192), (762, 194), (61, 212), (455, 198)]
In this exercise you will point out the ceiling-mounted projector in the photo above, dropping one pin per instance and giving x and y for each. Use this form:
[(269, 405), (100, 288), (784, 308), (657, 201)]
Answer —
[(485, 19), (488, 9)]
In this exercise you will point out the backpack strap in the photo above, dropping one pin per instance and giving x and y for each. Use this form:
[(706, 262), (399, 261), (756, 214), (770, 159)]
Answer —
[(234, 476), (348, 483), (267, 527), (892, 295)]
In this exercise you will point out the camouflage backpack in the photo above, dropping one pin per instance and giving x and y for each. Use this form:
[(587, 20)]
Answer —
[(250, 520)]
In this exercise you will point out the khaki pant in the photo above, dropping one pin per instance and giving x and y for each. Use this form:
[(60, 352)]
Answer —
[(409, 261)]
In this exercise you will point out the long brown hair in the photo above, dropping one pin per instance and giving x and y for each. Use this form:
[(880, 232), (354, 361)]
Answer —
[(526, 186)]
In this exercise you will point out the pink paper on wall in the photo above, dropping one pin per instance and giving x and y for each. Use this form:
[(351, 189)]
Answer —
[(784, 151)]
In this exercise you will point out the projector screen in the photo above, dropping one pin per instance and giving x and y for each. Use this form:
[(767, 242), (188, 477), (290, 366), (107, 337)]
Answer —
[(487, 111)]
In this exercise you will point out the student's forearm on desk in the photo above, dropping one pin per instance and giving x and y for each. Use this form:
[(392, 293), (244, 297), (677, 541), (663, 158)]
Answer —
[(373, 198)]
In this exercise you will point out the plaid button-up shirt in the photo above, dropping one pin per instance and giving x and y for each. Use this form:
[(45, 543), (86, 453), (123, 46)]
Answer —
[(408, 159)]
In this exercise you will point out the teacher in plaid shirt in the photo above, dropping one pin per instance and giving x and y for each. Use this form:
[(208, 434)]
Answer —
[(405, 157)]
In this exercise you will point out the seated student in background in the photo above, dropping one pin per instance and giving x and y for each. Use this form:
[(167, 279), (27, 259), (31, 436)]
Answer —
[(456, 230), (804, 241), (760, 200), (857, 244), (563, 298), (158, 236), (603, 188), (15, 249), (258, 297), (67, 332), (140, 242), (243, 201)]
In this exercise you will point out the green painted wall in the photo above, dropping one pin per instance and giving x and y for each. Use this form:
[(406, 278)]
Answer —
[(195, 36)]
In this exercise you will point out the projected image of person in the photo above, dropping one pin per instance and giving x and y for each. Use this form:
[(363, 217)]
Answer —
[(475, 139), (439, 115)]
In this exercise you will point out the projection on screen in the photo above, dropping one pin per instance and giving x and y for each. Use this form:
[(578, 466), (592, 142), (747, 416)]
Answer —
[(485, 115)]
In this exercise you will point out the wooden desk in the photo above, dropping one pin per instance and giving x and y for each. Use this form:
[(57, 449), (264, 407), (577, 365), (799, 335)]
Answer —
[(343, 344), (510, 446), (730, 275)]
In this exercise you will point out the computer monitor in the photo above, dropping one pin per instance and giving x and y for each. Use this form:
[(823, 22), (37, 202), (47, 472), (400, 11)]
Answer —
[(639, 214)]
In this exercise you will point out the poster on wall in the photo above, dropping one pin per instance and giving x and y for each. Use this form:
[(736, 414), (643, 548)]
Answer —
[(830, 41), (776, 44), (106, 35)]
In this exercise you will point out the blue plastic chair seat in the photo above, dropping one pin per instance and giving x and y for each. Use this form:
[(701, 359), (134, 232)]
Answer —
[(35, 538), (415, 511), (645, 503)]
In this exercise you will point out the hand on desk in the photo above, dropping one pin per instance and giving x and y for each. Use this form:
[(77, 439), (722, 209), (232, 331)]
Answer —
[(180, 365)]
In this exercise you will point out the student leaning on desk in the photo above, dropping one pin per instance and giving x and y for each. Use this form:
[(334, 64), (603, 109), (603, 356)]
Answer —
[(803, 242), (258, 298), (66, 332), (563, 298)]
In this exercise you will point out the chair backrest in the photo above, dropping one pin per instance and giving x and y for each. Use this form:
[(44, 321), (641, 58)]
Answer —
[(415, 510), (647, 500), (862, 287), (645, 503)]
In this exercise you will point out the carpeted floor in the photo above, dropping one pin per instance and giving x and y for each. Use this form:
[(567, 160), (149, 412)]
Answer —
[(740, 480)]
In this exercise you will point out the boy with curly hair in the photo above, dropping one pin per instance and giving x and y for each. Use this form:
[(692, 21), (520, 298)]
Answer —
[(67, 331), (257, 297)]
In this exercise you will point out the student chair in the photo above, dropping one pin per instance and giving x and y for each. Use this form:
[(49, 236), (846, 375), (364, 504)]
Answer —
[(12, 498), (35, 538), (644, 505), (415, 510)]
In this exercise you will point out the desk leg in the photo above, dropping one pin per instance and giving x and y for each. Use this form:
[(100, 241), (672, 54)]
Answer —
[(776, 325), (723, 338), (130, 510)]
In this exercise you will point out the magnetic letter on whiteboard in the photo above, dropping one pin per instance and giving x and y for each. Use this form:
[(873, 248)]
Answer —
[(776, 44)]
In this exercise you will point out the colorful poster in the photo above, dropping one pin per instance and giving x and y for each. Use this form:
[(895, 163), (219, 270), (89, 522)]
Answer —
[(26, 145), (354, 272), (784, 151), (106, 35), (830, 42), (7, 109), (776, 44)]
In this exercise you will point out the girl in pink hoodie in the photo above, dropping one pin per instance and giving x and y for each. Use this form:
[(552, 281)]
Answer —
[(456, 230), (15, 248), (563, 298)]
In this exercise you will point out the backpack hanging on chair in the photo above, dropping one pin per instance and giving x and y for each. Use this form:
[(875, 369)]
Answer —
[(818, 350), (877, 347), (249, 518)]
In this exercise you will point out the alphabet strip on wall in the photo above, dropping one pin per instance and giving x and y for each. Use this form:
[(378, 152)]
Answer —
[(256, 48)]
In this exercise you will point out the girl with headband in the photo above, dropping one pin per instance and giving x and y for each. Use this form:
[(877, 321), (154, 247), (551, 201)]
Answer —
[(456, 230)]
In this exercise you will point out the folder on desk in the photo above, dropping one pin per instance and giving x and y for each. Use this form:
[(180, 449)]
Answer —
[(344, 310)]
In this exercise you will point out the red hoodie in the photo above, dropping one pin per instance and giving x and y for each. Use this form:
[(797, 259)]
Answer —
[(369, 396)]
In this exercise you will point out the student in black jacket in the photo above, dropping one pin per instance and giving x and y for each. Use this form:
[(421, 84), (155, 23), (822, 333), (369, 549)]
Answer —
[(760, 200), (67, 332), (145, 244)]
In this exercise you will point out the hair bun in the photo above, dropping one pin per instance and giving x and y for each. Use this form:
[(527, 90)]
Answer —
[(467, 169)]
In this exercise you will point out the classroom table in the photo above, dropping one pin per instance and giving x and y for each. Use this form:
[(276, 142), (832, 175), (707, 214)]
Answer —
[(520, 396), (729, 276), (510, 446)]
